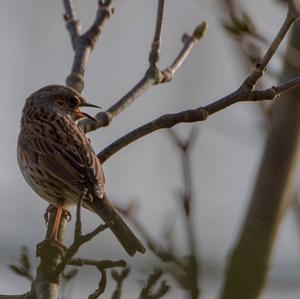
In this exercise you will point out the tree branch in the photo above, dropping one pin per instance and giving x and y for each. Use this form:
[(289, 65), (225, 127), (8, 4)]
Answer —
[(195, 115), (103, 264), (101, 286), (153, 75), (274, 188), (83, 44), (72, 23), (79, 239), (191, 268), (148, 292), (119, 278), (45, 286), (28, 295), (244, 93)]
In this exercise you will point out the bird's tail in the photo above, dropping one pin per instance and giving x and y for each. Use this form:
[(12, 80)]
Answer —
[(103, 208)]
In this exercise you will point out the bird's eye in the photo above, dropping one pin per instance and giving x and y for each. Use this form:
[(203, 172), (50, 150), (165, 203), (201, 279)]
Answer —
[(73, 101)]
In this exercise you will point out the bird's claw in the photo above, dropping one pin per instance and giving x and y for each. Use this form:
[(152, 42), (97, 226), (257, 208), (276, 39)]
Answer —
[(50, 208)]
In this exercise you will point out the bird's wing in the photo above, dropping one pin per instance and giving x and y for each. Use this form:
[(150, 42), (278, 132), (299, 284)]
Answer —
[(66, 153)]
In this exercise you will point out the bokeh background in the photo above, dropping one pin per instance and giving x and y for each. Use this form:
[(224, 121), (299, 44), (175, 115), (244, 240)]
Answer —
[(35, 51)]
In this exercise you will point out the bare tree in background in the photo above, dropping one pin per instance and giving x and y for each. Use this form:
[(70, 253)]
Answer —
[(247, 268)]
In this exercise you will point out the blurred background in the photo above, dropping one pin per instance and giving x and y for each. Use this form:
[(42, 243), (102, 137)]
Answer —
[(36, 51)]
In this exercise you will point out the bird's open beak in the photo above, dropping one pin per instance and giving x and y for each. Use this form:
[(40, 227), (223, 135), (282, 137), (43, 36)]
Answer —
[(90, 105), (80, 114), (83, 114)]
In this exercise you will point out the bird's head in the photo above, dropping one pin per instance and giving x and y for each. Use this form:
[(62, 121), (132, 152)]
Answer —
[(60, 99)]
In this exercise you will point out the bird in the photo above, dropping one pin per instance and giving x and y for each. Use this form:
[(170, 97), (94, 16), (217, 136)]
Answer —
[(58, 162)]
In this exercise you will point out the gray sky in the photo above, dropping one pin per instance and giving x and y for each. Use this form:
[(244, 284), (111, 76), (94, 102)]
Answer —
[(36, 51)]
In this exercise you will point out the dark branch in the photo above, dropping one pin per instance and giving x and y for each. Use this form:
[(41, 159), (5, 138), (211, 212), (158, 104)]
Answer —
[(28, 295), (148, 292), (103, 264), (101, 286), (119, 278), (79, 239)]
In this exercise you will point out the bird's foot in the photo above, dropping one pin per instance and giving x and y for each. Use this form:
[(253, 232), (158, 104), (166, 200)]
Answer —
[(50, 208)]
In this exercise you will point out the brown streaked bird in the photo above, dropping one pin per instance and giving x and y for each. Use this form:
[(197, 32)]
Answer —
[(58, 162)]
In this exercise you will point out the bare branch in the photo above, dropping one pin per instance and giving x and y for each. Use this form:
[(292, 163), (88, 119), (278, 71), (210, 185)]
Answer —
[(191, 269), (166, 255), (156, 44), (83, 44), (79, 239), (101, 286), (189, 42), (290, 19), (28, 295), (24, 267), (195, 115), (119, 277), (244, 93), (148, 292), (72, 23), (153, 74), (103, 264)]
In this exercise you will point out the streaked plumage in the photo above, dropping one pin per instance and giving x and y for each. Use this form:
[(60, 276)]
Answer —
[(58, 162)]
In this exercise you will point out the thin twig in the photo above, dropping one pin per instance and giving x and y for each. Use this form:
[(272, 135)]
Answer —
[(28, 295), (83, 44), (24, 267), (166, 255), (79, 239), (191, 270), (189, 42), (152, 76), (72, 23), (103, 264), (148, 293), (156, 43), (101, 286), (244, 93), (288, 22), (119, 278), (199, 114), (78, 242)]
